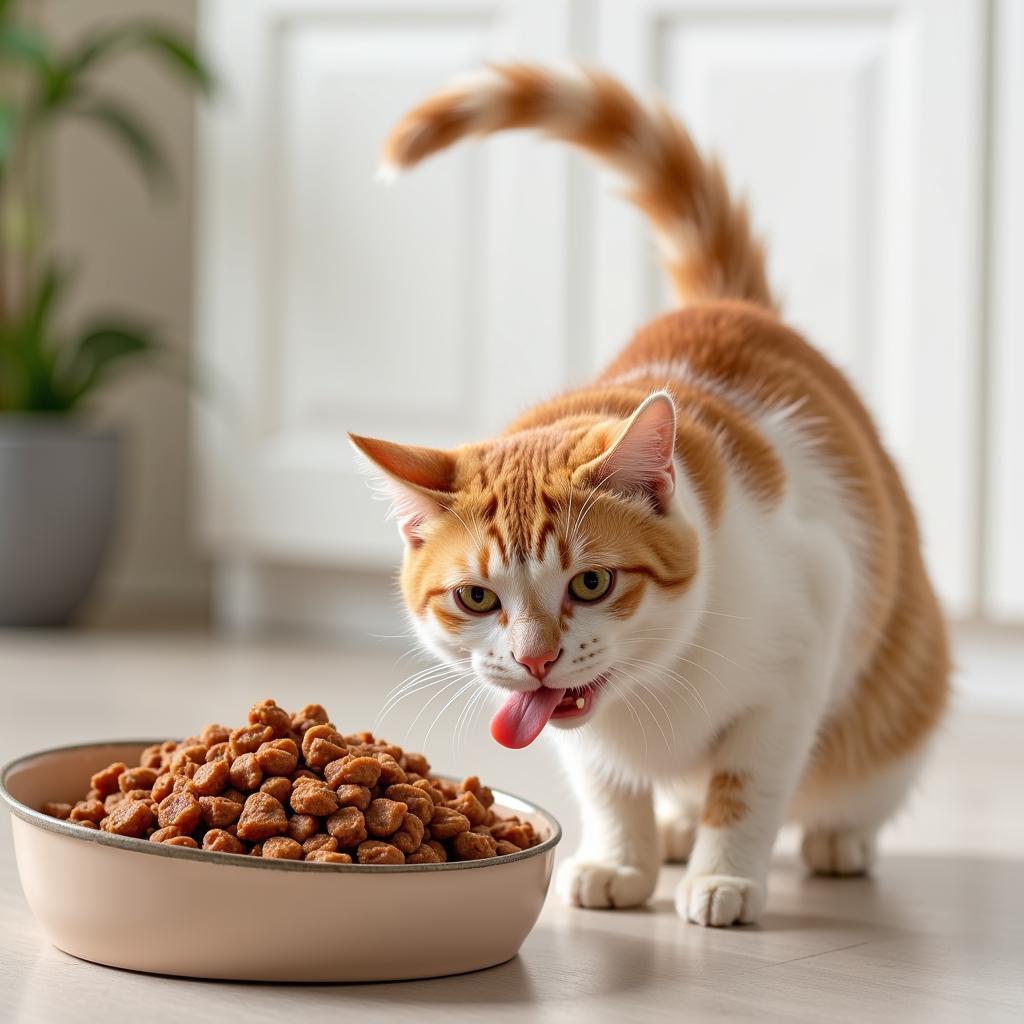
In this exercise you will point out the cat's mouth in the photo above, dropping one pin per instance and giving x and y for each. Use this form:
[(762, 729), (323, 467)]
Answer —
[(521, 719)]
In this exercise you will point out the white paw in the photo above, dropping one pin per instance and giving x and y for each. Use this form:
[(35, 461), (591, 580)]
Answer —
[(847, 852), (720, 900), (676, 837), (590, 883)]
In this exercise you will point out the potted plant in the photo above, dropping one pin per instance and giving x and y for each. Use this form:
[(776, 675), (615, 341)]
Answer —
[(59, 472)]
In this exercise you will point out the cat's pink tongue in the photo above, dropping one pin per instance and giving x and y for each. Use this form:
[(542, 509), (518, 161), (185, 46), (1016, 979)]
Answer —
[(520, 719)]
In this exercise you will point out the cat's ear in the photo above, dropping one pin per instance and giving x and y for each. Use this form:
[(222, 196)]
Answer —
[(639, 460), (418, 481)]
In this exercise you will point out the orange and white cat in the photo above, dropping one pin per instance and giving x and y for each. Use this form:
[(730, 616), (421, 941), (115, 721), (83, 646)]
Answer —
[(701, 570)]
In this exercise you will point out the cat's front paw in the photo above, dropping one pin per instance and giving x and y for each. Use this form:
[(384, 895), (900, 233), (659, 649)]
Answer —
[(720, 900), (598, 884)]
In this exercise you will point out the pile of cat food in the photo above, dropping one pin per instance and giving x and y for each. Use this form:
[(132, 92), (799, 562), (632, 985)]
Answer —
[(292, 787)]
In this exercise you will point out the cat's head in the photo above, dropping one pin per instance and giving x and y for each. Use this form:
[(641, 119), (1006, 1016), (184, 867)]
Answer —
[(549, 561)]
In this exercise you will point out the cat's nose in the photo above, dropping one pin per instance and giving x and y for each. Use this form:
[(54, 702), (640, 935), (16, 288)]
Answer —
[(538, 665)]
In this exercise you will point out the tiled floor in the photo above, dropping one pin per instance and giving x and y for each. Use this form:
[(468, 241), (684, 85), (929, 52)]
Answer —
[(937, 935)]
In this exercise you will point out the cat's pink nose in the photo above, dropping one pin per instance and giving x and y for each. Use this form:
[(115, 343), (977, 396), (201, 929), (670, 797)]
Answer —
[(538, 665)]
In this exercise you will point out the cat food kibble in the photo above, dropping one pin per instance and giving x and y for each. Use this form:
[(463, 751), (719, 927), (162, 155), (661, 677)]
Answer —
[(292, 787)]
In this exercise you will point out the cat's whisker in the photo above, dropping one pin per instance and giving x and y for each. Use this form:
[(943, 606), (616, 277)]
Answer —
[(681, 679), (668, 746), (451, 700), (447, 686), (382, 717), (419, 681), (625, 700)]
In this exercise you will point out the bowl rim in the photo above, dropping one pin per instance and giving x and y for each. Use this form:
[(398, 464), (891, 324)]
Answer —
[(132, 845)]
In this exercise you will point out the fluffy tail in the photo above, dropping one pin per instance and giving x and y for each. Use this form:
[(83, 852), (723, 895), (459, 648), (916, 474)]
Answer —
[(704, 236)]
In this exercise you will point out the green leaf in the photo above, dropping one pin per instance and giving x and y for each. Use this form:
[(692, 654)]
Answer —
[(51, 284), (125, 128), (175, 49), (8, 132), (19, 42), (97, 353)]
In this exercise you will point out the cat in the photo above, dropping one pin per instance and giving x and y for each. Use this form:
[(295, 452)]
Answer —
[(700, 571)]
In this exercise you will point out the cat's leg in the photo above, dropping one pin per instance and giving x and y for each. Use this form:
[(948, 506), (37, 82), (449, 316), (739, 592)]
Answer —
[(677, 812), (841, 818), (754, 771), (616, 864)]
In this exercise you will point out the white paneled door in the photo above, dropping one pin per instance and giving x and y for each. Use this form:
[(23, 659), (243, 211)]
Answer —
[(329, 302), (432, 310), (855, 130)]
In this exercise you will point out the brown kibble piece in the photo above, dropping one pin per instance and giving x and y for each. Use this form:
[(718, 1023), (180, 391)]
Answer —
[(213, 735), (439, 849), (513, 832), (347, 826), (161, 835), (220, 752), (430, 790), (328, 857), (181, 809), (266, 712), (129, 818), (321, 745), (321, 841), (262, 817), (415, 763), (219, 811), (474, 846), (313, 796), (219, 841), (391, 772), (136, 778), (375, 852), (163, 786), (503, 848), (470, 806), (245, 772), (88, 810), (248, 739), (418, 802), (211, 779), (353, 796), (384, 817), (447, 823), (57, 810), (279, 788), (424, 855), (182, 841), (151, 758), (112, 801), (278, 757), (105, 781), (471, 784), (305, 718), (409, 837), (282, 848), (193, 754), (302, 826), (353, 771)]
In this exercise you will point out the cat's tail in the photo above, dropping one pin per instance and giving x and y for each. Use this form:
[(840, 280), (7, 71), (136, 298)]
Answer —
[(704, 234)]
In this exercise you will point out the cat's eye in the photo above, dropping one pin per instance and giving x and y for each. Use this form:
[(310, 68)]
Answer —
[(591, 585), (478, 600)]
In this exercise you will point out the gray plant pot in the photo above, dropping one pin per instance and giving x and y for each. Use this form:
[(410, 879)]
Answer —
[(58, 496)]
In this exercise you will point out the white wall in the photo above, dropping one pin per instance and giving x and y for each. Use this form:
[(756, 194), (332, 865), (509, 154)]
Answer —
[(134, 255)]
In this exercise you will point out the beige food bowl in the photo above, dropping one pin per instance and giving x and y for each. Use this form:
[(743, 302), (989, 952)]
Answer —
[(170, 910)]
